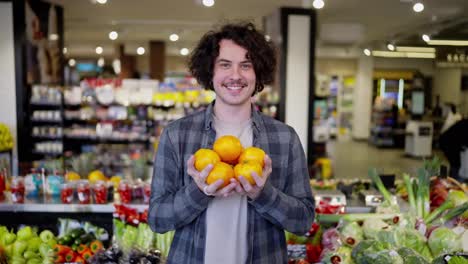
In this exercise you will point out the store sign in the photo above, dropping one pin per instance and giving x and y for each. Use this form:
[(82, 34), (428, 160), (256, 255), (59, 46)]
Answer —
[(452, 57)]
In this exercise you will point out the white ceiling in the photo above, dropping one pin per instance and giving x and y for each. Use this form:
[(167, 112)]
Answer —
[(342, 23)]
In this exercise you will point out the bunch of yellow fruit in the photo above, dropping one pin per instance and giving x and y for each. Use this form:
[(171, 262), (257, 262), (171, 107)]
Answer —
[(6, 139), (228, 152)]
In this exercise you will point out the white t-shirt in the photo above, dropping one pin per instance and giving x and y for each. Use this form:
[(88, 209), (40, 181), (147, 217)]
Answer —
[(226, 217)]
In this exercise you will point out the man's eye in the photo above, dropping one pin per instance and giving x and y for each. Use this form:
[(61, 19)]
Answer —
[(224, 65), (246, 66)]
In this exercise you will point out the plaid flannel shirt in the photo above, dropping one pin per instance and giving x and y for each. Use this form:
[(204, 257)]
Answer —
[(285, 203)]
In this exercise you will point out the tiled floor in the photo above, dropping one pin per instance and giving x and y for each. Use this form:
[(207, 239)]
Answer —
[(352, 159)]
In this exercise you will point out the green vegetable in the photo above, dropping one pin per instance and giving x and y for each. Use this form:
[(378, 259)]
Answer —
[(372, 227), (342, 255), (458, 260), (422, 196), (374, 175), (8, 238), (145, 237), (443, 240), (383, 257), (351, 234), (24, 233), (77, 232), (34, 243), (30, 255), (46, 235), (19, 247), (406, 237), (129, 238), (409, 190), (367, 247), (411, 257)]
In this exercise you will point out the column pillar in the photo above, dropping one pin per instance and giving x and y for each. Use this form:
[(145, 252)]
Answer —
[(363, 98), (157, 57)]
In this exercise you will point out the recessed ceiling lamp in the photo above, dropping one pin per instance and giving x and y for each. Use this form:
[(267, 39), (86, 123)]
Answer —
[(101, 62), (113, 35), (318, 4), (71, 62), (140, 51), (99, 50), (65, 50), (174, 37), (208, 3), (418, 7), (426, 37), (390, 47), (102, 2), (367, 52), (267, 37), (184, 51)]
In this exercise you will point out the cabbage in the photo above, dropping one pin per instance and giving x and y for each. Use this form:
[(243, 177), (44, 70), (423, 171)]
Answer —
[(351, 234), (372, 226), (382, 257), (342, 255), (406, 237), (367, 247), (443, 240), (411, 257)]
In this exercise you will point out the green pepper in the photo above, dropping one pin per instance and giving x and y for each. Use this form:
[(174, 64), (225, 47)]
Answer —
[(77, 232)]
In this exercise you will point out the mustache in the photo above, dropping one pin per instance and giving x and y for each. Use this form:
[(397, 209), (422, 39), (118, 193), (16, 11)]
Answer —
[(235, 83)]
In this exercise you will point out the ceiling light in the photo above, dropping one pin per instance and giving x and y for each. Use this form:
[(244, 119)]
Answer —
[(116, 66), (442, 42), (267, 37), (53, 37), (208, 3), (418, 7), (390, 46), (426, 37), (174, 37), (184, 51), (99, 50), (102, 2), (101, 62), (318, 4), (367, 52), (113, 35), (140, 51), (71, 62), (415, 49), (400, 54), (65, 50)]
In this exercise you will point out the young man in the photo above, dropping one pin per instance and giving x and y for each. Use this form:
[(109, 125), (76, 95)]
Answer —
[(240, 223)]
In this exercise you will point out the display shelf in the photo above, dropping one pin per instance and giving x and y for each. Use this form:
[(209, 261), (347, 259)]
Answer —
[(51, 207), (89, 140), (45, 122)]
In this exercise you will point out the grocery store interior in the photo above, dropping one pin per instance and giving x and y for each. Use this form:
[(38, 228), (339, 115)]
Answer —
[(88, 86)]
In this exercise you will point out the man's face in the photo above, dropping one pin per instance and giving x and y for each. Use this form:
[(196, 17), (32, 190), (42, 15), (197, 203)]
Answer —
[(234, 75)]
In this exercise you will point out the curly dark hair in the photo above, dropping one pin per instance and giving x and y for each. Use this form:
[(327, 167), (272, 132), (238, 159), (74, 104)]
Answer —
[(259, 51)]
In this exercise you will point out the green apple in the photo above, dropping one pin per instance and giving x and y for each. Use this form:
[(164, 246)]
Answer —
[(24, 234), (46, 235)]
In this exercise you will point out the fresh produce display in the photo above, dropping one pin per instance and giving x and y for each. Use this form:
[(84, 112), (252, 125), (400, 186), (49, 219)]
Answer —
[(227, 152), (27, 246), (6, 140), (393, 236), (310, 242)]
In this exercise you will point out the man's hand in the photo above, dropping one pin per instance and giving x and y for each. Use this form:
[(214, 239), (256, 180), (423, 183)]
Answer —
[(253, 191), (200, 179)]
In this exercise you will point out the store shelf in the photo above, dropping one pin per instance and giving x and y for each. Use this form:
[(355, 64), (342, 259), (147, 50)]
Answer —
[(42, 121), (87, 140), (64, 208), (45, 103)]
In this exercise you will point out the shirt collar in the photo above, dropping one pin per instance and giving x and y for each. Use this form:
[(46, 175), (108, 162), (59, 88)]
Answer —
[(256, 118)]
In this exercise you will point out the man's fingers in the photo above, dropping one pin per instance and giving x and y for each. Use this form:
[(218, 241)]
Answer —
[(247, 186), (258, 180), (212, 188), (204, 173), (190, 166), (228, 189), (268, 165)]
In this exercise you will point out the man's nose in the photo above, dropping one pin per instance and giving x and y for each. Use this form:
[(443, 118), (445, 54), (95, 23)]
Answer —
[(235, 73)]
